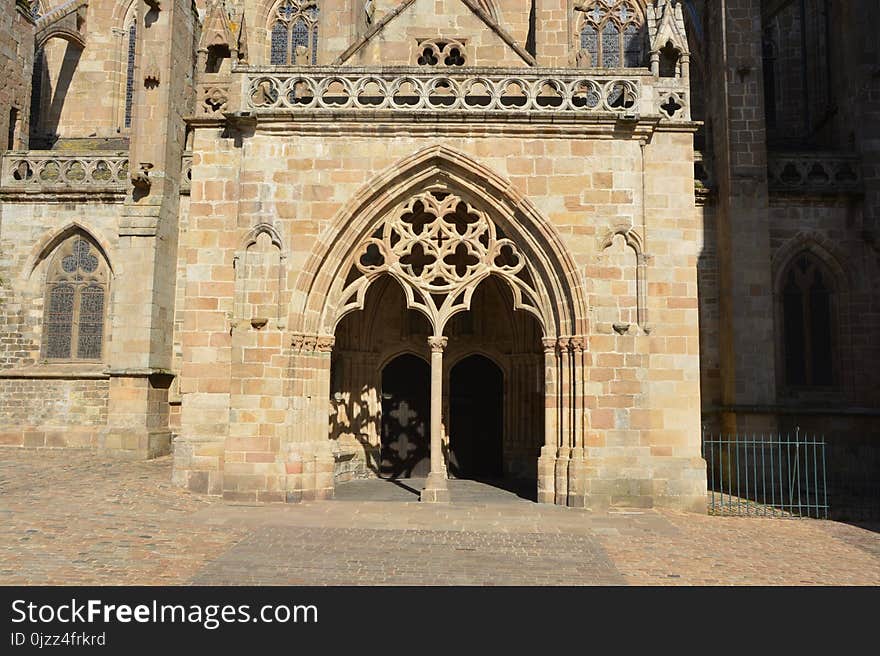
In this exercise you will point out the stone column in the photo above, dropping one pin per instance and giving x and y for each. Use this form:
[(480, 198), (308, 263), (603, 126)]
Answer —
[(436, 487), (324, 459), (547, 459), (564, 403), (577, 483)]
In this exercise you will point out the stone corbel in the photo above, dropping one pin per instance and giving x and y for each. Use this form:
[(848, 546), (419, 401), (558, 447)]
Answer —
[(152, 73), (141, 179)]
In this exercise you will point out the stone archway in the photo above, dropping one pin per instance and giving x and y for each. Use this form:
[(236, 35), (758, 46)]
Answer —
[(439, 224)]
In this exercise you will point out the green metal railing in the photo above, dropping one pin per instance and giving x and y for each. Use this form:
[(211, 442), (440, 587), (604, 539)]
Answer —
[(766, 475)]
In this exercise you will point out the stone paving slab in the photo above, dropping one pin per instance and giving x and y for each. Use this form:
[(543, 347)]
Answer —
[(354, 556), (73, 517)]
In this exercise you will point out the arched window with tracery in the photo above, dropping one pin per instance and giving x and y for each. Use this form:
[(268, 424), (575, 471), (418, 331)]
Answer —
[(76, 302), (799, 67), (131, 36), (611, 33), (807, 322), (294, 33)]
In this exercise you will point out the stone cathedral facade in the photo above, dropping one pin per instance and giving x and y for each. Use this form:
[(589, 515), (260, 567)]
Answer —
[(295, 242)]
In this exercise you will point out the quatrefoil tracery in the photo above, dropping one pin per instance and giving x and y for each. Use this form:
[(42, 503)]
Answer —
[(440, 247)]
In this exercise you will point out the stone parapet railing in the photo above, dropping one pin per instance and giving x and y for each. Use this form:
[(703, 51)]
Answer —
[(814, 172), (415, 89), (36, 171)]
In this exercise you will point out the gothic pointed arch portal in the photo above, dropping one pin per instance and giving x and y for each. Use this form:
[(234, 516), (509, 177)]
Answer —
[(439, 224), (473, 211)]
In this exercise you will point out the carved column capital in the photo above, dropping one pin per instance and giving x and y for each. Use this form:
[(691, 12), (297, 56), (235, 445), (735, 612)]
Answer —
[(297, 340), (577, 344), (549, 344), (438, 344), (563, 344), (324, 343)]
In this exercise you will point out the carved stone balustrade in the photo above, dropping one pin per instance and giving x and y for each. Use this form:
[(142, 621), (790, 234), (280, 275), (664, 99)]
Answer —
[(814, 172), (417, 90), (36, 171)]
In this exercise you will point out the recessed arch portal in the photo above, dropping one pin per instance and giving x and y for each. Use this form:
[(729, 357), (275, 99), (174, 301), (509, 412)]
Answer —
[(439, 223), (558, 295)]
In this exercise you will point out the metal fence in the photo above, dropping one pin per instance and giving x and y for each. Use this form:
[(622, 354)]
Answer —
[(766, 475)]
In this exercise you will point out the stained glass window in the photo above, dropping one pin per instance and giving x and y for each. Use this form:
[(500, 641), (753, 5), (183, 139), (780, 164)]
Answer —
[(129, 74), (91, 322), (612, 33), (807, 323), (299, 37), (59, 321), (610, 45), (279, 44), (76, 290), (632, 46), (295, 33), (590, 42)]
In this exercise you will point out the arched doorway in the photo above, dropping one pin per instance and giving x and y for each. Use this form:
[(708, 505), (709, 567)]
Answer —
[(476, 411), (406, 420), (440, 239)]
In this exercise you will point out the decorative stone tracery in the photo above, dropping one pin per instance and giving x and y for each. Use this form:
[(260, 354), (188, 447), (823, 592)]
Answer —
[(439, 247), (610, 34), (294, 33)]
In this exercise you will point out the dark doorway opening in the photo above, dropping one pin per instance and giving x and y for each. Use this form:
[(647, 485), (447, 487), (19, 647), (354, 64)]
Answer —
[(476, 419), (406, 418)]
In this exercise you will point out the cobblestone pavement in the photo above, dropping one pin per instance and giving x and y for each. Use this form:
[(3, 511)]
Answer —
[(72, 517)]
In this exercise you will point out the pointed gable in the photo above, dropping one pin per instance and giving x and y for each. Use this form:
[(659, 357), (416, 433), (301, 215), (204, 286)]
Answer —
[(452, 32), (217, 29), (666, 25)]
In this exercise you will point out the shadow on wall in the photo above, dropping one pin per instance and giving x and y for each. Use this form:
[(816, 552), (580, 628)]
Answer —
[(48, 99)]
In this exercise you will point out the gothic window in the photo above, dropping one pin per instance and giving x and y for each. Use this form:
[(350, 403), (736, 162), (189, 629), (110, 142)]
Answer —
[(294, 33), (798, 67), (611, 33), (129, 72), (807, 325), (75, 306)]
